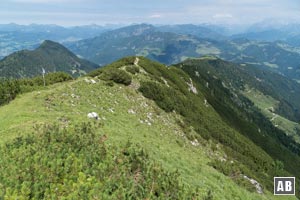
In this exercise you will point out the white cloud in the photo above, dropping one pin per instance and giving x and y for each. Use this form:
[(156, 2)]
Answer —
[(155, 11), (154, 16), (222, 16), (46, 1)]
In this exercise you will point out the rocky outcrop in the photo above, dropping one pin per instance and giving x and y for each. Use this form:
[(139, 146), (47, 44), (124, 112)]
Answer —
[(256, 184), (93, 115)]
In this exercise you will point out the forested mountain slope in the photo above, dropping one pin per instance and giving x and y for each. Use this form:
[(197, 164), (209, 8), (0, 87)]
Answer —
[(49, 55)]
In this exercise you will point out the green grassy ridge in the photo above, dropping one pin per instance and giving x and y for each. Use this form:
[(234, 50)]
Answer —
[(117, 126), (178, 80), (162, 139)]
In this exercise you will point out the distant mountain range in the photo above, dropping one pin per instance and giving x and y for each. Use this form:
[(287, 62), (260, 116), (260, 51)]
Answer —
[(49, 55), (16, 37), (289, 33), (202, 31), (171, 44), (54, 32), (167, 44), (144, 40)]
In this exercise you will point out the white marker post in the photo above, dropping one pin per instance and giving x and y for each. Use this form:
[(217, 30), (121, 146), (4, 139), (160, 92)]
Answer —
[(44, 72)]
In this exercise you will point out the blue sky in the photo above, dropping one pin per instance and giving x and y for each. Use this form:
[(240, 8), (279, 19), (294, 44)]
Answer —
[(79, 12)]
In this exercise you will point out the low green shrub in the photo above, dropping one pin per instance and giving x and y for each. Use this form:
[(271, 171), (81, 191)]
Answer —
[(132, 69), (30, 84), (10, 88), (158, 93), (116, 75), (55, 163), (95, 73)]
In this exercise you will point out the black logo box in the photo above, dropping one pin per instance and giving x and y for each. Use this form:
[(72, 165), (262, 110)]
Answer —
[(282, 183)]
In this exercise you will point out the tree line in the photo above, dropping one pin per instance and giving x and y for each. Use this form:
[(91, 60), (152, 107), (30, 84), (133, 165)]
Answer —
[(10, 88)]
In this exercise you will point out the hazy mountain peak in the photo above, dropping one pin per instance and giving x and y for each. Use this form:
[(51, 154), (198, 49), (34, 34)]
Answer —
[(134, 30), (50, 55), (49, 45)]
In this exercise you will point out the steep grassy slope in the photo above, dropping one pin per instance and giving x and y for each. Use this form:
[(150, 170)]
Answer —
[(223, 84), (279, 95), (125, 114), (49, 55), (239, 77)]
